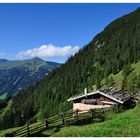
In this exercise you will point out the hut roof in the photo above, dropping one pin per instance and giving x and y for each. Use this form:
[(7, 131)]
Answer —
[(137, 95), (117, 95)]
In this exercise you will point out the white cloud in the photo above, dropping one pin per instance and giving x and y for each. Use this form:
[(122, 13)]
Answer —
[(2, 54), (49, 50)]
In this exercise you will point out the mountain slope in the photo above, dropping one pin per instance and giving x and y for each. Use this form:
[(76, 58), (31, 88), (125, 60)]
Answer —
[(118, 78), (108, 53), (122, 124), (125, 124), (15, 75)]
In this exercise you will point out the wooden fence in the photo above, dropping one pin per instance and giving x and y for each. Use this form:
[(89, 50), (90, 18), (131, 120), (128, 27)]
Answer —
[(64, 118)]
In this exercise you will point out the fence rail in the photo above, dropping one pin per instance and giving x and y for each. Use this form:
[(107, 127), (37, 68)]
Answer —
[(61, 119)]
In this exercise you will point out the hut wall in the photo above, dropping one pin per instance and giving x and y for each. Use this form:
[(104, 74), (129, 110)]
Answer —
[(87, 107), (102, 98)]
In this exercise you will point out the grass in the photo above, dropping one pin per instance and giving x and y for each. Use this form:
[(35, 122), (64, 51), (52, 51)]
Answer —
[(119, 77), (4, 110), (3, 96), (22, 131), (125, 124), (136, 67), (3, 132)]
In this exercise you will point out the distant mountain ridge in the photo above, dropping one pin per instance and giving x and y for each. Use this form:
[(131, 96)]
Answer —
[(18, 74)]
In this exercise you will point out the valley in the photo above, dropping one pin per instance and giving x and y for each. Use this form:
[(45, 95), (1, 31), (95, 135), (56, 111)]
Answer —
[(16, 75)]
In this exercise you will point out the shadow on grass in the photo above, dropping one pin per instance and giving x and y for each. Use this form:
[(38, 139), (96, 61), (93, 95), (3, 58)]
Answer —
[(39, 133), (85, 121), (56, 128)]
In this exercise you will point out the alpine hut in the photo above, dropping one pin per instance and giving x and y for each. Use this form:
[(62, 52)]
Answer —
[(101, 99)]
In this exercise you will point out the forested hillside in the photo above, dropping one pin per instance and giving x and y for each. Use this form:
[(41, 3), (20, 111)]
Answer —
[(111, 51)]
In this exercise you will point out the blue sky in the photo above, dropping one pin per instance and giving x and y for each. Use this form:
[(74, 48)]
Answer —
[(53, 31)]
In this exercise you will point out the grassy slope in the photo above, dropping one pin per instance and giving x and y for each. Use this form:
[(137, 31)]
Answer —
[(3, 96), (122, 124), (4, 110), (118, 77), (3, 132), (136, 67), (24, 129)]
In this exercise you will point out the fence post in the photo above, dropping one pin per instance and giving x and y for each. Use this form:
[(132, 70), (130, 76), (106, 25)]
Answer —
[(103, 117), (46, 122), (103, 110), (28, 128), (63, 118), (77, 114), (92, 113)]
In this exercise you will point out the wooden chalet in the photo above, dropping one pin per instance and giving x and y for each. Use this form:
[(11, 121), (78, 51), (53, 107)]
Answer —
[(100, 99)]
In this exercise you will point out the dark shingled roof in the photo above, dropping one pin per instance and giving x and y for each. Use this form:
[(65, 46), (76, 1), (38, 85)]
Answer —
[(117, 94), (137, 95)]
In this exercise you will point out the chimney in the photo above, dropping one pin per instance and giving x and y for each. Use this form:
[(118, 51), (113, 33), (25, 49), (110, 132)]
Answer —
[(85, 91)]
